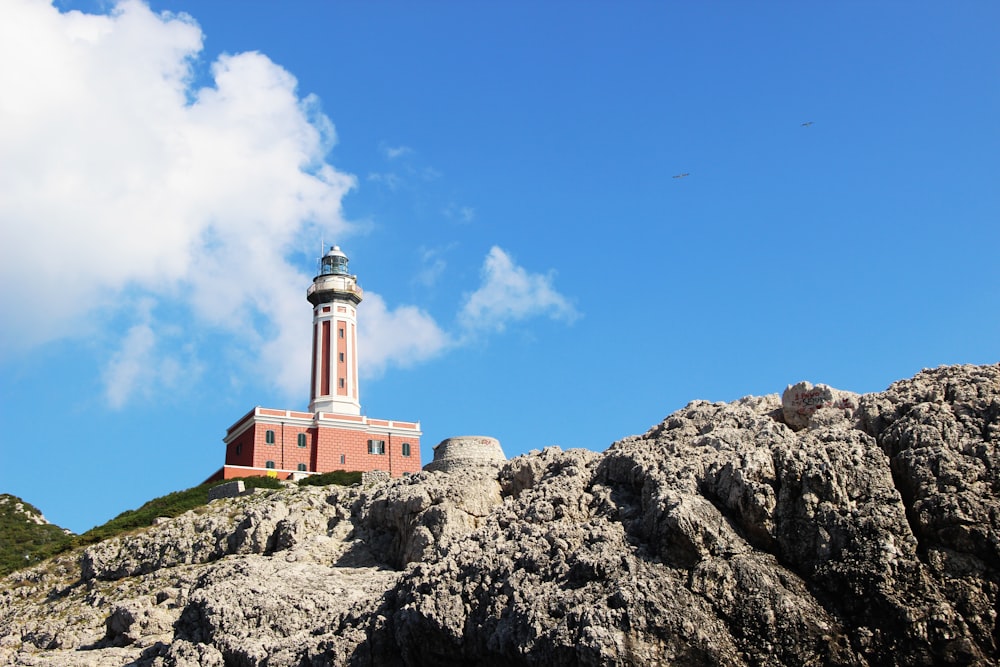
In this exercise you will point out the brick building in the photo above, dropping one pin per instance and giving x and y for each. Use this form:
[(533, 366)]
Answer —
[(333, 435)]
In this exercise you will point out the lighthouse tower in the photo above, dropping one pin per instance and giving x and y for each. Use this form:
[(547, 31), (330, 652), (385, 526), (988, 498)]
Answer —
[(335, 295), (333, 435)]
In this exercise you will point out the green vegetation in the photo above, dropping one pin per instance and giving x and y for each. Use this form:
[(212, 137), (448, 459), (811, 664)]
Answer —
[(170, 505), (340, 477), (22, 541)]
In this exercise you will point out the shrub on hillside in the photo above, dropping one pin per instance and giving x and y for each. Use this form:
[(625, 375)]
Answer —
[(339, 477), (170, 505), (23, 544), (22, 541)]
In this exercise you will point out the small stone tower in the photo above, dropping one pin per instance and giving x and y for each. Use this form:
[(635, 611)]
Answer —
[(466, 452), (335, 295)]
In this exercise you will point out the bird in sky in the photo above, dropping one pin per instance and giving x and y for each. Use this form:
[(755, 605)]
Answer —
[(807, 123), (681, 175)]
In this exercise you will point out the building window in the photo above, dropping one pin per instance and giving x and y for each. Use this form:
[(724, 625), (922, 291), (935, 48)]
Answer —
[(343, 459), (269, 437), (376, 446), (302, 467), (341, 383), (340, 332), (406, 448), (302, 439), (239, 448), (340, 355), (269, 464)]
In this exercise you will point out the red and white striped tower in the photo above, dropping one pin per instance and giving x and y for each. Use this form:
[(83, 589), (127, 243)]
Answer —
[(335, 295)]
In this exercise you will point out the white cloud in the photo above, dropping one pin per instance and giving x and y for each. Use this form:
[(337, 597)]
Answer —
[(120, 175), (509, 294), (131, 368), (431, 273), (408, 335), (391, 152), (401, 337), (391, 180), (141, 366), (429, 174), (463, 214), (432, 264)]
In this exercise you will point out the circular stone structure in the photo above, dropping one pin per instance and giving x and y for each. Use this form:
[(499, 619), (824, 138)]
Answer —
[(466, 451)]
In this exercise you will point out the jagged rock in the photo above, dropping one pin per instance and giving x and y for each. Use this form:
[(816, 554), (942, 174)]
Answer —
[(866, 534), (407, 521), (801, 401), (181, 653), (138, 621)]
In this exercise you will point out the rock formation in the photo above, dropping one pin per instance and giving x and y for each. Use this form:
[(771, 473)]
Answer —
[(867, 535), (799, 402)]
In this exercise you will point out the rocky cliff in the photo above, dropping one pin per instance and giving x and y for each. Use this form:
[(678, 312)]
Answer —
[(866, 533)]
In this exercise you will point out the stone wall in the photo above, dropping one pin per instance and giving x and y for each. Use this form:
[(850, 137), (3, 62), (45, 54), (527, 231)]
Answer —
[(228, 490)]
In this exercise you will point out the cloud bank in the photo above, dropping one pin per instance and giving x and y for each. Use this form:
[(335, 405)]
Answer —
[(131, 191), (122, 178)]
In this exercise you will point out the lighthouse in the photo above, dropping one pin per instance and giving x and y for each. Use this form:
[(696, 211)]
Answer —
[(333, 434), (335, 295)]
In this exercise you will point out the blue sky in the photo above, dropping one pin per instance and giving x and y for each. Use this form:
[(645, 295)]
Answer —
[(503, 178)]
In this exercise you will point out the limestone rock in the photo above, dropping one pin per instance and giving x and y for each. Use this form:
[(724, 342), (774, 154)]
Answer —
[(867, 533), (409, 520), (801, 401)]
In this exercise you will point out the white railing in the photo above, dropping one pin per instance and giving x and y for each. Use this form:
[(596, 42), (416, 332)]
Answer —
[(334, 284)]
